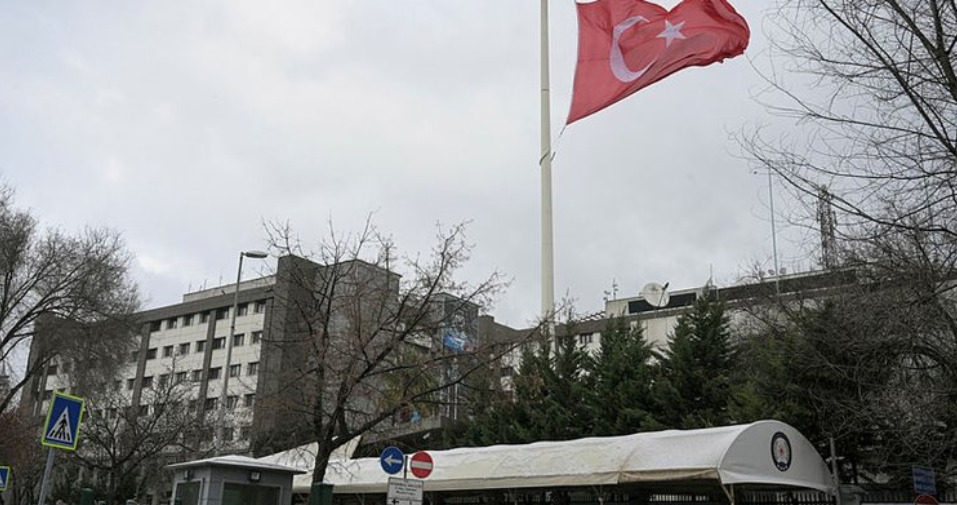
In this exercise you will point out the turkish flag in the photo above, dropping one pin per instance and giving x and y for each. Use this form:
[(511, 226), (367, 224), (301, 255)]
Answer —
[(625, 45)]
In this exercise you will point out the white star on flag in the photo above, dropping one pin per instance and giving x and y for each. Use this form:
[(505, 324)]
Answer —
[(671, 32)]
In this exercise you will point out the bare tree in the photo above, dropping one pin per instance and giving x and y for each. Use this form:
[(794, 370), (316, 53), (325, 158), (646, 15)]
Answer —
[(876, 138), (880, 122), (18, 449), (363, 346), (50, 277), (126, 445), (867, 360)]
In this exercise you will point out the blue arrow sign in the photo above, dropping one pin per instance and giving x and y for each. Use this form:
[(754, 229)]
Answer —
[(62, 428), (392, 460), (4, 477)]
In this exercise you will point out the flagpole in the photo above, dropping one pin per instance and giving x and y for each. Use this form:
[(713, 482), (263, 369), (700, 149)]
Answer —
[(548, 270)]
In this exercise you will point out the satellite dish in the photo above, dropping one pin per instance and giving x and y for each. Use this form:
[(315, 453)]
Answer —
[(656, 295)]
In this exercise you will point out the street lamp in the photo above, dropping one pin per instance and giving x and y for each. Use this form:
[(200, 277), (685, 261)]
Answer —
[(774, 234), (232, 332)]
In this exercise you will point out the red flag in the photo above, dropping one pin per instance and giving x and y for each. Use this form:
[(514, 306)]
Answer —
[(625, 45)]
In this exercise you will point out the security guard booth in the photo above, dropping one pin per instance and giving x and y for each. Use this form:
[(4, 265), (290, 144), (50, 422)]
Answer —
[(232, 480)]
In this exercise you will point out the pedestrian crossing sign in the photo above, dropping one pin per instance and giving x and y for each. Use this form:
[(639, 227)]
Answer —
[(4, 477), (62, 428)]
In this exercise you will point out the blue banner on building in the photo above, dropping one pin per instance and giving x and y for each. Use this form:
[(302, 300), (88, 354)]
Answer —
[(454, 340)]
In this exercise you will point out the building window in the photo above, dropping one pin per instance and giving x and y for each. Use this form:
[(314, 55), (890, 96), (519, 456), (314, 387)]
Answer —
[(203, 317), (167, 351), (180, 377), (117, 384), (221, 314), (507, 371), (197, 375), (249, 399), (242, 309), (151, 353), (184, 348), (219, 343), (129, 383), (238, 340), (200, 345), (257, 337), (188, 320), (155, 326), (215, 373), (147, 382), (192, 405), (133, 357), (253, 368), (227, 434), (171, 323), (65, 367), (584, 338), (51, 370), (212, 403), (235, 370), (232, 401), (260, 307), (164, 380), (244, 432)]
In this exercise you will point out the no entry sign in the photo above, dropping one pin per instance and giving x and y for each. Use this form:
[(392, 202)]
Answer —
[(421, 464)]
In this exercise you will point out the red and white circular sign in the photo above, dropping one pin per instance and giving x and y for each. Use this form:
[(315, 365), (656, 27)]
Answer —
[(421, 464), (925, 499)]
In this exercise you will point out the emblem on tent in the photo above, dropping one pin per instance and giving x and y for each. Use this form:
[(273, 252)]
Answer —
[(781, 451)]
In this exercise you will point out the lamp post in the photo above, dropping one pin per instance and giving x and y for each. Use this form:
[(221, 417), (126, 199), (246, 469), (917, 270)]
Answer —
[(774, 237), (232, 332), (774, 234)]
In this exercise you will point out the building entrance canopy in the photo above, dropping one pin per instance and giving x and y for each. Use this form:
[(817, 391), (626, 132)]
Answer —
[(765, 454)]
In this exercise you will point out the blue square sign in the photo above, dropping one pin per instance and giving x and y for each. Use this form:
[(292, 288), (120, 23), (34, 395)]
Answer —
[(925, 481), (62, 428), (4, 477)]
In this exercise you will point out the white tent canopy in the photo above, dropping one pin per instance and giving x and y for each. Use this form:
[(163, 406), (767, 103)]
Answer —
[(765, 454)]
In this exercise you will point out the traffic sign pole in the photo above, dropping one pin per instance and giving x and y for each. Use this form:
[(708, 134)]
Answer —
[(45, 486), (61, 431)]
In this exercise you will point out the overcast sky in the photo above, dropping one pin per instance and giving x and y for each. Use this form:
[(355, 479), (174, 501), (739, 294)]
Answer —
[(186, 124)]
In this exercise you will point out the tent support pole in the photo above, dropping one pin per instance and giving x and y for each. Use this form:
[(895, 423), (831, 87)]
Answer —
[(729, 492)]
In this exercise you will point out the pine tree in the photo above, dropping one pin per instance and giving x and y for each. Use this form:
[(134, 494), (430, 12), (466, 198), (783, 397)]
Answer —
[(566, 413), (622, 376), (694, 380), (549, 399)]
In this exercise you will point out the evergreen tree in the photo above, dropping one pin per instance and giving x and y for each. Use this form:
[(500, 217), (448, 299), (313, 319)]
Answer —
[(549, 399), (693, 389), (566, 412), (622, 376)]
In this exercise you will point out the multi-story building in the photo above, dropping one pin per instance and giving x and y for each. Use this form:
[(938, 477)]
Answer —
[(658, 322), (225, 380)]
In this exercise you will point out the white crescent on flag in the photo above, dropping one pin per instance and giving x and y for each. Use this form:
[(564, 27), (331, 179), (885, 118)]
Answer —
[(617, 59)]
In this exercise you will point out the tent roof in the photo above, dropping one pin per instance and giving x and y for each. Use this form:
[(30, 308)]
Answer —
[(727, 455), (235, 460)]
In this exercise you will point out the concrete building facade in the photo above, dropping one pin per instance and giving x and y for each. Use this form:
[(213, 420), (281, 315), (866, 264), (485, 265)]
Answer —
[(186, 344)]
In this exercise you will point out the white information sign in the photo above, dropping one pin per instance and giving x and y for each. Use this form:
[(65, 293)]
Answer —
[(404, 492)]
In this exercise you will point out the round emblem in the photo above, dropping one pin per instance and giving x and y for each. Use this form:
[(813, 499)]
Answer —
[(781, 451)]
